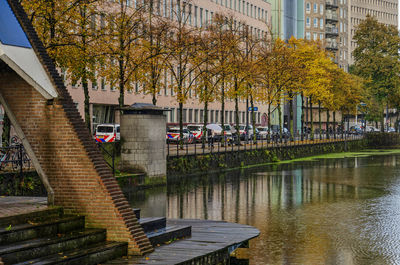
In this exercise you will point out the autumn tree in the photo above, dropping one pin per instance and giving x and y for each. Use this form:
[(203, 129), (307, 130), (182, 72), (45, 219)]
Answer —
[(207, 76), (377, 60), (240, 71), (223, 41), (316, 81), (182, 46), (279, 74), (123, 55), (154, 47), (68, 30)]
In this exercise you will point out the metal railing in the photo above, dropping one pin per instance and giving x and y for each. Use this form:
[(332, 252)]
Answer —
[(109, 155), (177, 148)]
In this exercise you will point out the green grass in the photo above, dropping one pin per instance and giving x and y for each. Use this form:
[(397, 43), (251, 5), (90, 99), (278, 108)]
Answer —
[(364, 153)]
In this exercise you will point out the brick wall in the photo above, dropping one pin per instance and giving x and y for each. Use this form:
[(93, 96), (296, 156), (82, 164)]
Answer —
[(82, 182)]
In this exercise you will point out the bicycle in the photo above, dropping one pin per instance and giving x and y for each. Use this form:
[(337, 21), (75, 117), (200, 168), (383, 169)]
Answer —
[(14, 154)]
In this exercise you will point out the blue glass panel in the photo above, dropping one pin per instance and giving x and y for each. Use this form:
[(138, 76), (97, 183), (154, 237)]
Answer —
[(11, 32)]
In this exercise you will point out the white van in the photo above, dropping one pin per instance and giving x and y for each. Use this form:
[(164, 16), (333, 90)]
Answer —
[(107, 133)]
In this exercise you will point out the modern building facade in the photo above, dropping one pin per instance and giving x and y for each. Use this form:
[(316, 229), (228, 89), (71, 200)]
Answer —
[(333, 22), (385, 11), (256, 14), (287, 21)]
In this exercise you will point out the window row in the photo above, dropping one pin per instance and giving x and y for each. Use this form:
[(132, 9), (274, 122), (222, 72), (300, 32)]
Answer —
[(381, 3), (213, 116), (315, 22), (245, 8), (378, 14), (315, 36), (316, 8)]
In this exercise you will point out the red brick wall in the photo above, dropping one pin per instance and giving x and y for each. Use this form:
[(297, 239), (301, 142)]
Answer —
[(82, 182)]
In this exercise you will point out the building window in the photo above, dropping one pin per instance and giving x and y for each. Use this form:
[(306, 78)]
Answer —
[(315, 8), (321, 23), (308, 7), (172, 115), (196, 115), (308, 35), (321, 9), (315, 22), (308, 22)]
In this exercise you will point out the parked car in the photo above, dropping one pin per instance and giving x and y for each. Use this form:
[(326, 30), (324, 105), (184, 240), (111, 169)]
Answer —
[(372, 129), (107, 133), (275, 131), (197, 130), (390, 130), (246, 133), (229, 132), (263, 132), (356, 129), (173, 135), (216, 131)]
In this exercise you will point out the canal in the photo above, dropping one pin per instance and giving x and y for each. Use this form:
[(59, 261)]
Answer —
[(320, 211)]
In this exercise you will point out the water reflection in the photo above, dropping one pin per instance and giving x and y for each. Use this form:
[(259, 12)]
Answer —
[(342, 211)]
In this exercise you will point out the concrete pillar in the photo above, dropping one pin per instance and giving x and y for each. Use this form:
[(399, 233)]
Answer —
[(143, 149)]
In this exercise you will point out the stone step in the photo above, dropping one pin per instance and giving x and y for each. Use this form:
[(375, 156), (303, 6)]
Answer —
[(153, 223), (136, 211), (169, 234), (89, 255), (32, 216), (35, 248), (31, 229)]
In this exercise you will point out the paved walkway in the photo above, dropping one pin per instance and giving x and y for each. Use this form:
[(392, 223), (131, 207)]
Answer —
[(13, 205)]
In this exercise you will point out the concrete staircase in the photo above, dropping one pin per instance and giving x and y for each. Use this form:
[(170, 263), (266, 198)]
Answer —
[(50, 237)]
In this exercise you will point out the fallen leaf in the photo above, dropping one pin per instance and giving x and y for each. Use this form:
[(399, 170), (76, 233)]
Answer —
[(147, 258)]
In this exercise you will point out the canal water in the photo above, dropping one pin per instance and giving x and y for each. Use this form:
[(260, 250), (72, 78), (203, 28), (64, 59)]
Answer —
[(324, 211)]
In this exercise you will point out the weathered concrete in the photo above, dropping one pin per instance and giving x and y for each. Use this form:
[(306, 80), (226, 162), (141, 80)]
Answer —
[(143, 146)]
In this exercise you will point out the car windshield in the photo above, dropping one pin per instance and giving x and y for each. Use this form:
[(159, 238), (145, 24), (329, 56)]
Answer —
[(105, 129), (262, 129), (194, 128), (241, 127), (173, 130), (227, 128)]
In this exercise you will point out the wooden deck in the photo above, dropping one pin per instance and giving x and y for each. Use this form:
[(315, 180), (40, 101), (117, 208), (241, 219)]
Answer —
[(211, 243), (15, 205)]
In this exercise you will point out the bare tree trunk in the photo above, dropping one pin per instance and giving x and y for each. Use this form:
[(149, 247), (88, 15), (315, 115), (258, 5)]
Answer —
[(253, 119), (181, 124), (319, 119), (302, 117), (269, 122), (223, 111), (327, 123), (311, 120), (237, 113), (280, 121), (291, 120), (334, 124), (205, 121)]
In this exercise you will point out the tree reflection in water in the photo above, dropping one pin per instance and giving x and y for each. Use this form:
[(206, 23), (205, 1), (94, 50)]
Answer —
[(332, 211)]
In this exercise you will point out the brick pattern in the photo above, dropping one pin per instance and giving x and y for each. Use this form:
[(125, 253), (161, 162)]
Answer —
[(82, 182)]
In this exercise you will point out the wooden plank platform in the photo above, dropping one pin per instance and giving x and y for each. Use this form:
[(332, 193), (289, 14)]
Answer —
[(15, 205), (211, 242)]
